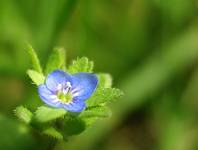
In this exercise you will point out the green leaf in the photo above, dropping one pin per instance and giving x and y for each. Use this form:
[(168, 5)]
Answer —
[(34, 59), (23, 114), (98, 111), (105, 80), (81, 65), (36, 77), (89, 121), (52, 132), (46, 114), (73, 126), (76, 124), (103, 96), (56, 60)]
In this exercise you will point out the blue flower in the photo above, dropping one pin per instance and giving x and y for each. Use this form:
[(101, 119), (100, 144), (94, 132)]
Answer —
[(62, 90)]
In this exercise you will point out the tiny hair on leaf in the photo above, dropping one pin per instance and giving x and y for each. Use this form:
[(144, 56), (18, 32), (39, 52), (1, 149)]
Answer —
[(52, 132), (98, 111), (36, 77), (34, 59), (56, 60), (105, 80), (81, 65), (103, 96), (45, 114), (23, 114)]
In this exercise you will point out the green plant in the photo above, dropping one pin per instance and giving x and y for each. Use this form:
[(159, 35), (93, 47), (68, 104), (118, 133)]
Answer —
[(58, 122)]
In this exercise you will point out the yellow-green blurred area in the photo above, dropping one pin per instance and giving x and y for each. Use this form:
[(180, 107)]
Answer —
[(149, 46)]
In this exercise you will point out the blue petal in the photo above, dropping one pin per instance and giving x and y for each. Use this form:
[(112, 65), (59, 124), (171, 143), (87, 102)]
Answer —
[(83, 85), (48, 97), (55, 78), (75, 106)]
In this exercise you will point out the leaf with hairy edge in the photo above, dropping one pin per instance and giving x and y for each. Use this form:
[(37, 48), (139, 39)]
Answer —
[(73, 126), (56, 60), (98, 111), (34, 59), (103, 96), (46, 114), (36, 77), (81, 65), (23, 114), (52, 132), (105, 80)]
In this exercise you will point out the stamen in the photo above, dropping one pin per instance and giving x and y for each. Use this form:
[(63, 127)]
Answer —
[(68, 84), (64, 94), (67, 88)]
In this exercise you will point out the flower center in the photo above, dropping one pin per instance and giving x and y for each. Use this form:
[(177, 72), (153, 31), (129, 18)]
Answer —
[(64, 94), (64, 98)]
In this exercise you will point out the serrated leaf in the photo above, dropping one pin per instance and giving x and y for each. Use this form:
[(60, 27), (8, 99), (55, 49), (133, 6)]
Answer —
[(105, 80), (76, 124), (52, 132), (98, 111), (34, 59), (46, 114), (56, 60), (103, 96), (73, 126), (36, 77), (81, 65), (23, 114), (89, 121)]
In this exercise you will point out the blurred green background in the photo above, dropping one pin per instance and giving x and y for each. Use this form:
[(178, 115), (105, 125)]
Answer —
[(149, 46)]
